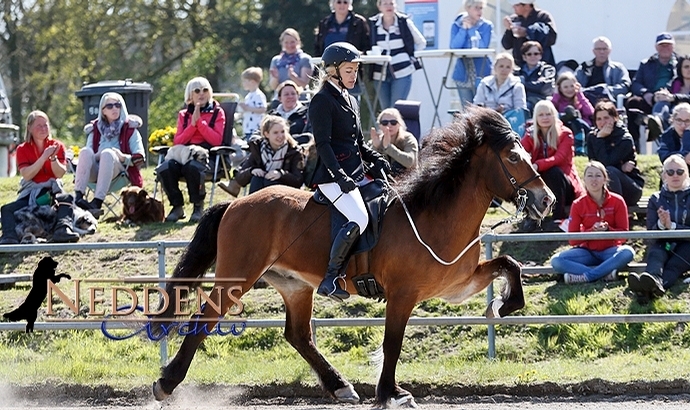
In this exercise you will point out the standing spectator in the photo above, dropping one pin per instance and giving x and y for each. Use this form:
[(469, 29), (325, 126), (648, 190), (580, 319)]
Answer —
[(201, 123), (113, 144), (292, 63), (672, 139), (254, 105), (602, 78), (470, 30), (666, 100), (41, 162), (536, 75), (668, 209), (550, 144), (397, 37), (598, 210), (502, 91), (655, 73), (397, 146), (529, 23), (342, 25), (611, 144)]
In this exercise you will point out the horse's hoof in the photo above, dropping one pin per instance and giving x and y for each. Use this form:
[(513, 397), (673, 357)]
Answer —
[(404, 401), (492, 312), (158, 392), (347, 394)]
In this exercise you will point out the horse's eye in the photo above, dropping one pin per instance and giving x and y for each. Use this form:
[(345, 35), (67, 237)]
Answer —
[(514, 158)]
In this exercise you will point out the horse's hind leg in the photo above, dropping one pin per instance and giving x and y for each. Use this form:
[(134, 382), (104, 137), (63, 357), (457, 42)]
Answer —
[(512, 297), (298, 332)]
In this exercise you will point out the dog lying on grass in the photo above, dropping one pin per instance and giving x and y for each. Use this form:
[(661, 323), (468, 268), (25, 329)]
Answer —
[(35, 225), (28, 310), (140, 208)]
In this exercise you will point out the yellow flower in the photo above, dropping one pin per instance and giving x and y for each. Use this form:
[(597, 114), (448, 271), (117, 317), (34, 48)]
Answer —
[(162, 136), (75, 150)]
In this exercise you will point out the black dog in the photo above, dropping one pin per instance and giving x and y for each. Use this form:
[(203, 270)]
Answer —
[(29, 309)]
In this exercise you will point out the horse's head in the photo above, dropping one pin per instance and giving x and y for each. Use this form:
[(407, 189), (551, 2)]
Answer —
[(514, 177)]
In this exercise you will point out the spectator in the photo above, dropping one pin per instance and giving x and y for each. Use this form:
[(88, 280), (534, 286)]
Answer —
[(274, 158), (470, 30), (41, 162), (665, 100), (292, 63), (668, 209), (397, 37), (502, 91), (113, 144), (254, 105), (536, 75), (602, 78), (611, 144), (654, 74), (529, 24), (598, 210), (292, 110), (550, 145), (569, 94), (672, 139), (342, 25), (200, 123), (397, 146)]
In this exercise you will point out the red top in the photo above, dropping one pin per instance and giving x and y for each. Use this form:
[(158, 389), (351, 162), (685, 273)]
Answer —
[(201, 132), (27, 155), (584, 212)]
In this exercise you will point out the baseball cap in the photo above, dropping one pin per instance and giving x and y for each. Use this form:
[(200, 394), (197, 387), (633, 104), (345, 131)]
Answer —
[(514, 2), (665, 38)]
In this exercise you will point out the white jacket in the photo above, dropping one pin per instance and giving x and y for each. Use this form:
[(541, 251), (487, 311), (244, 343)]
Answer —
[(511, 94)]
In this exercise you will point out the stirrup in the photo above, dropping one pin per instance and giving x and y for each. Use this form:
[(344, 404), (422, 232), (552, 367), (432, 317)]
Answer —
[(338, 294)]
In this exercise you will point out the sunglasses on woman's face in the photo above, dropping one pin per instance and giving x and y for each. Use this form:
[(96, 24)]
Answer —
[(110, 106), (198, 90), (391, 122), (679, 172)]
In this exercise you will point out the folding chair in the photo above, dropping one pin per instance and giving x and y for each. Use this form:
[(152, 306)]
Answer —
[(112, 200), (409, 110)]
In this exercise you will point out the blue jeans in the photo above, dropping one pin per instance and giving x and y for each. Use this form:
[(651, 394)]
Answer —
[(393, 89), (593, 264)]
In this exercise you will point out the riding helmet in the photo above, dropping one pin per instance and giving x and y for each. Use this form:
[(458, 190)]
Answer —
[(338, 53)]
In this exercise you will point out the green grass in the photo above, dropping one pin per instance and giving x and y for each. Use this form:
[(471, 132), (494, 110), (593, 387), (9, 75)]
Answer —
[(436, 355)]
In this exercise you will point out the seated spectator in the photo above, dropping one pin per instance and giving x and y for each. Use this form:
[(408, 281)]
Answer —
[(342, 24), (293, 111), (529, 24), (611, 144), (654, 73), (274, 158), (550, 144), (598, 210), (668, 209), (537, 76), (672, 139), (501, 91), (113, 144), (201, 123), (666, 100), (602, 78), (397, 145), (470, 30), (254, 105), (41, 163), (292, 63), (570, 101)]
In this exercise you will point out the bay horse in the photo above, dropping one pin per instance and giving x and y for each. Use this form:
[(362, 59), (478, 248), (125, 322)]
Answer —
[(278, 233)]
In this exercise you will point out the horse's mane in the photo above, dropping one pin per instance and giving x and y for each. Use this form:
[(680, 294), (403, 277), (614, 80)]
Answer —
[(445, 156)]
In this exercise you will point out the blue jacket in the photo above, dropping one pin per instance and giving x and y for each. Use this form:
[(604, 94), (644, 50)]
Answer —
[(646, 76), (462, 38), (615, 74), (671, 143), (678, 203)]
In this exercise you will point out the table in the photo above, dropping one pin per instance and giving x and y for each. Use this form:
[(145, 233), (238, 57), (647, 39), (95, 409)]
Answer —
[(371, 103), (464, 53)]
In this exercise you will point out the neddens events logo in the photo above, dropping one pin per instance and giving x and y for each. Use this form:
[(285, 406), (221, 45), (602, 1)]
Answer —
[(139, 309)]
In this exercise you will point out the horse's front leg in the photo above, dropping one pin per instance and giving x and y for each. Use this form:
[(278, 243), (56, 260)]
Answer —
[(388, 393), (512, 297)]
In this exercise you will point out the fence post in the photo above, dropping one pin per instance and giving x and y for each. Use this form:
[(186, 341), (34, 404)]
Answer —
[(313, 330), (161, 275), (491, 336)]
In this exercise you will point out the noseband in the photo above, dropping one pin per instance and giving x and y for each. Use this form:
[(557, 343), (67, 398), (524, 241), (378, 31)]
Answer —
[(519, 191)]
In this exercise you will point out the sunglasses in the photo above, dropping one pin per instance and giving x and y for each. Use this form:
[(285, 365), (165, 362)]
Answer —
[(198, 90), (342, 2), (532, 54), (678, 172), (110, 106), (386, 122)]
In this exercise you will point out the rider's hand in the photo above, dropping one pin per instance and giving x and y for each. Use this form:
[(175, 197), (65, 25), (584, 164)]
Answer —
[(346, 183)]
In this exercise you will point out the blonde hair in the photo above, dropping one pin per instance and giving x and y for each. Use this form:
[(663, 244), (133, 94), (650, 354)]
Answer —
[(678, 160), (253, 74), (194, 83), (28, 137), (292, 33), (325, 74), (470, 3), (269, 121), (504, 56), (597, 165), (551, 136), (395, 113), (680, 107)]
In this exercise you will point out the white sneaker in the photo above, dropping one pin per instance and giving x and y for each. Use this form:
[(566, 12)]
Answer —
[(571, 278), (611, 277)]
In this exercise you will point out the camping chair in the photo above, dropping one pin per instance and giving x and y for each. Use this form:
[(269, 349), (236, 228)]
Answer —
[(112, 201)]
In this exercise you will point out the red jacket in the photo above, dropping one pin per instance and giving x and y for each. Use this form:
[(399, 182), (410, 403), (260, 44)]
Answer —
[(27, 155), (201, 134), (584, 212), (561, 157)]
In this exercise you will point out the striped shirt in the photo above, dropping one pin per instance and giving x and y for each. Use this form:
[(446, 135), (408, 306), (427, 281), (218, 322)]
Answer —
[(391, 42)]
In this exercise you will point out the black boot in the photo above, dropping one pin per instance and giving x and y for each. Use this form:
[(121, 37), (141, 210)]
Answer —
[(196, 214), (176, 213), (344, 240), (65, 216)]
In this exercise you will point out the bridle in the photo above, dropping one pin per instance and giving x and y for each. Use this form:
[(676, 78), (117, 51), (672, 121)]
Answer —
[(519, 191)]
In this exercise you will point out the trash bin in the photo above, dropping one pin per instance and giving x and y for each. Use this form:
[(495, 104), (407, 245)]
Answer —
[(136, 97)]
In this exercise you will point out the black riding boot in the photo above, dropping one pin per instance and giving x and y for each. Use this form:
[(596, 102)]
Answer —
[(65, 218), (339, 250)]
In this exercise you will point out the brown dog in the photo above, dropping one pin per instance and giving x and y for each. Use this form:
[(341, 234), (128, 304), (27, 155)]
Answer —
[(139, 208)]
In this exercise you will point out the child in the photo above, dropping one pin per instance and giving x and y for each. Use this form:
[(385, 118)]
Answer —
[(254, 105), (569, 93)]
